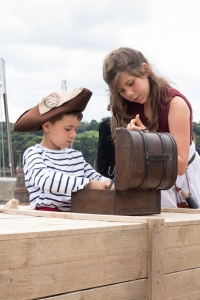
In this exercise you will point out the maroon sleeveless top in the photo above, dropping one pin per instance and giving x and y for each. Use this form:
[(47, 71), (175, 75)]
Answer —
[(163, 111)]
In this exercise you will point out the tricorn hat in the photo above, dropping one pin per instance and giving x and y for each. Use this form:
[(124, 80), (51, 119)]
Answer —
[(53, 105)]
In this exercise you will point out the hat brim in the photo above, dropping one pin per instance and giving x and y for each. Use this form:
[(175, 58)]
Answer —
[(31, 120)]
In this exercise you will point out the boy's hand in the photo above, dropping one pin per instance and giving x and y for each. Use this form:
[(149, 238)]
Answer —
[(99, 185), (108, 182)]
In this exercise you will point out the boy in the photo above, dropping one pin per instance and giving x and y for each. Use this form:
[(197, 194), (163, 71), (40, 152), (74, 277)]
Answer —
[(52, 170)]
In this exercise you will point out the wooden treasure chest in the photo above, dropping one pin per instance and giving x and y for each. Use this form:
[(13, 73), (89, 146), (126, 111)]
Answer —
[(145, 164)]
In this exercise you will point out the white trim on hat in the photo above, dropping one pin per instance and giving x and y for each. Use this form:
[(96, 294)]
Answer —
[(56, 99)]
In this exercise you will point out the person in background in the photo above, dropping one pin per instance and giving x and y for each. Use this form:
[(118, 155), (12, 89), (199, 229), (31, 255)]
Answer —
[(106, 150), (52, 170), (136, 91)]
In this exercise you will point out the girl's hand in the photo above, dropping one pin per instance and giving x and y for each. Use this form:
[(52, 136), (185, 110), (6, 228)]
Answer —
[(135, 124)]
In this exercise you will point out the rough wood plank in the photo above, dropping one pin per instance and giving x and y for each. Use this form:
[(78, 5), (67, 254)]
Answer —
[(133, 290), (40, 227), (170, 218), (182, 235), (175, 219), (155, 260), (44, 250), (181, 210), (77, 216), (191, 296), (182, 285), (34, 267), (41, 281), (11, 216), (182, 258), (182, 248)]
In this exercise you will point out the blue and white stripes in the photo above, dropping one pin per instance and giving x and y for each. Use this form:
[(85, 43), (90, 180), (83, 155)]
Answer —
[(52, 175)]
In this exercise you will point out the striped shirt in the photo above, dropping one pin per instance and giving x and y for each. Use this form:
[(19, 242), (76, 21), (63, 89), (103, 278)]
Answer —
[(52, 175)]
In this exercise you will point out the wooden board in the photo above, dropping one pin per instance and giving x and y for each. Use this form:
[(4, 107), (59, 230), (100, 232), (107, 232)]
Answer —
[(181, 210), (133, 290), (68, 255), (99, 257)]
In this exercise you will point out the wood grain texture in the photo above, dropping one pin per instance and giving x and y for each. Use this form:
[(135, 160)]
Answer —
[(99, 257), (182, 285), (68, 255), (155, 260), (133, 290)]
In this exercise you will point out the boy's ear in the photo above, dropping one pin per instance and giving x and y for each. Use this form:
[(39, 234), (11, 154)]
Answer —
[(146, 69), (45, 126)]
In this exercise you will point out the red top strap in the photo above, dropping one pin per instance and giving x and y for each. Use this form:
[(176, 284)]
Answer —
[(163, 110)]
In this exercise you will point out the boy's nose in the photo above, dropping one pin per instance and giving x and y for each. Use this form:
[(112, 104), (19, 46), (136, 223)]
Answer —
[(73, 134)]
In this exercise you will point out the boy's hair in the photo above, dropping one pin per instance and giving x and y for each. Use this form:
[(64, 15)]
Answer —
[(130, 61), (76, 114)]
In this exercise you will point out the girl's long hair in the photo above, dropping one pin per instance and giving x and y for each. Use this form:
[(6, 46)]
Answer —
[(130, 61)]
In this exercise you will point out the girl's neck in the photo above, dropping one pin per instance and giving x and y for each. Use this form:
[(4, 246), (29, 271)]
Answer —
[(148, 110)]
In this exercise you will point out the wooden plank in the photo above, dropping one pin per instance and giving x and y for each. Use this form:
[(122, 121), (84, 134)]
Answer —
[(182, 285), (191, 296), (155, 260), (77, 216), (133, 290), (181, 210), (47, 280), (182, 247), (169, 217), (176, 219), (12, 216), (29, 251), (41, 255), (40, 267), (183, 258), (32, 227), (177, 236)]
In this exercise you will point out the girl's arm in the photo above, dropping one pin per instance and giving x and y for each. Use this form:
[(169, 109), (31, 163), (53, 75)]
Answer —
[(179, 128)]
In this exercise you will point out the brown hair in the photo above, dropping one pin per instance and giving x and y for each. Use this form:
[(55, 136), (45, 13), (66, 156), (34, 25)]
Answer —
[(76, 114), (130, 61)]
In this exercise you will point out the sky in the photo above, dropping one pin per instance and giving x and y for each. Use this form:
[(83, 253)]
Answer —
[(44, 42)]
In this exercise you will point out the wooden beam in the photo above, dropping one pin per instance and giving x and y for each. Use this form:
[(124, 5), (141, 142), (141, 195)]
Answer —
[(155, 260)]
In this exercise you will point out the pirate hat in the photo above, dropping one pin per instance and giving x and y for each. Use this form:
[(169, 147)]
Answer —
[(53, 105)]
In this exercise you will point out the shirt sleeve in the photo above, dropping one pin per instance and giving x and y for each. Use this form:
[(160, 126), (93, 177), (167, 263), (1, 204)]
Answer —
[(92, 174), (50, 181)]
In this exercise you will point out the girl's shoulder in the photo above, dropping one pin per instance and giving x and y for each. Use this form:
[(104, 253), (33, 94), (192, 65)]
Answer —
[(171, 92)]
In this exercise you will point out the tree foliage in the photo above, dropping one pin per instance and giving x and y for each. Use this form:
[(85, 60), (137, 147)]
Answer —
[(196, 131), (86, 142)]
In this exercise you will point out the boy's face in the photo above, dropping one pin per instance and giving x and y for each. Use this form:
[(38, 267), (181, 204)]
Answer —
[(61, 134)]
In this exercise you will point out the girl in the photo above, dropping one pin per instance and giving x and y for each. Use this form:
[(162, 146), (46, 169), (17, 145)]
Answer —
[(137, 92)]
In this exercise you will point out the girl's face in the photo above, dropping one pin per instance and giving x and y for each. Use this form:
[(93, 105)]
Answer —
[(133, 88), (61, 134)]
